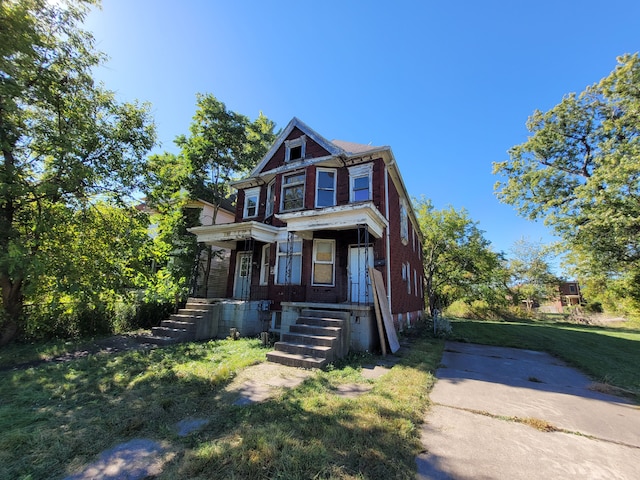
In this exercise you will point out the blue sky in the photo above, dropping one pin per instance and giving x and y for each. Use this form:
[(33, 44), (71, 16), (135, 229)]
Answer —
[(448, 85)]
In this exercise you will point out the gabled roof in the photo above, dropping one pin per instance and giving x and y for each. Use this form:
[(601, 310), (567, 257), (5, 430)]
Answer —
[(310, 132)]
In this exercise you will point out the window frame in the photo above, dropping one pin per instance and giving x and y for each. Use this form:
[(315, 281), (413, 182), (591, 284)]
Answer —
[(265, 266), (283, 255), (315, 262), (286, 186), (333, 190), (248, 194), (360, 171), (292, 144), (270, 203)]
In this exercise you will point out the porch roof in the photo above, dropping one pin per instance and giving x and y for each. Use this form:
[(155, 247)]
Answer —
[(227, 235), (342, 217)]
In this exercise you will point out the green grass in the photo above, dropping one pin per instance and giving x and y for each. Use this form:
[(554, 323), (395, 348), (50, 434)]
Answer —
[(610, 355), (56, 418)]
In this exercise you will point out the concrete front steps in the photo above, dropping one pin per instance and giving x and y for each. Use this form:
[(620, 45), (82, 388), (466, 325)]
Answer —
[(184, 326), (316, 339)]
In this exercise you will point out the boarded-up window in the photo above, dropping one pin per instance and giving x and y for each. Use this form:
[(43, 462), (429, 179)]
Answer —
[(323, 262)]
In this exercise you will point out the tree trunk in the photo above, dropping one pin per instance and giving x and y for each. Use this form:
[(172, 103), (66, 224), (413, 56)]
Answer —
[(12, 304)]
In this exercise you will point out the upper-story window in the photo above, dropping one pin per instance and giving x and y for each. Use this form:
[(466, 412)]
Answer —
[(360, 182), (325, 187), (251, 197), (271, 198), (292, 191), (404, 222), (295, 149)]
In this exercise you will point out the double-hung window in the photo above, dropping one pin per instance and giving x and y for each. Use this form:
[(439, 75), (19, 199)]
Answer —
[(293, 191), (251, 197), (324, 259), (360, 182), (289, 262), (325, 187)]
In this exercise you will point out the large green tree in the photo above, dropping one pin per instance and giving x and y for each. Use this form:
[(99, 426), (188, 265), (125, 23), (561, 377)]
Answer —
[(458, 261), (222, 146), (530, 277), (580, 171), (65, 140)]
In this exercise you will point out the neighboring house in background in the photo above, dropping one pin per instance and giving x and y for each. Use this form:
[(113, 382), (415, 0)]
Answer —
[(568, 295), (219, 262), (209, 214), (311, 218)]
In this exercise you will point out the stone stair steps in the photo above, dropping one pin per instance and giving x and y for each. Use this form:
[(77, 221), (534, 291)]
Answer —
[(320, 351), (181, 326), (308, 339), (313, 341), (297, 360)]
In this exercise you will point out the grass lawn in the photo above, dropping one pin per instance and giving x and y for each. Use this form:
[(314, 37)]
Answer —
[(56, 418), (610, 355)]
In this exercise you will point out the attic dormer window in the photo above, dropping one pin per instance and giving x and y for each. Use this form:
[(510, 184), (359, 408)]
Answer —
[(295, 149)]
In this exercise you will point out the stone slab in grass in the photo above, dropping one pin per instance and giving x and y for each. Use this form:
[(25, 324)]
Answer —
[(134, 460)]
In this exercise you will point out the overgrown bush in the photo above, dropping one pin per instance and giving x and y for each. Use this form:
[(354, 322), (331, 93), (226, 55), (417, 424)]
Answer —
[(74, 318), (443, 327)]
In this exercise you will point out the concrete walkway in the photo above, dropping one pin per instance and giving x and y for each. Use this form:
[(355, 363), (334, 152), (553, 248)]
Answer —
[(487, 401)]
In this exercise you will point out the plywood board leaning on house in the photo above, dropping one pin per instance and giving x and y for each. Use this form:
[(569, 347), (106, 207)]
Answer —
[(382, 309), (383, 342)]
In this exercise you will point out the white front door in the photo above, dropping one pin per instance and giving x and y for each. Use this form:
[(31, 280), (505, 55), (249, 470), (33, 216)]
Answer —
[(359, 284), (242, 284)]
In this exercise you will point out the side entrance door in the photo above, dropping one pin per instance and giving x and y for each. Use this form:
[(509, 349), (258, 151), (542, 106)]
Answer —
[(242, 283), (360, 258)]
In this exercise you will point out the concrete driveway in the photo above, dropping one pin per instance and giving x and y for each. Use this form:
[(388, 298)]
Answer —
[(486, 400)]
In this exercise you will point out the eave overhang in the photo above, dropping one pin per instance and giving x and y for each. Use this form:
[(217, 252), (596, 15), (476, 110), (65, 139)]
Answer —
[(229, 234), (343, 217)]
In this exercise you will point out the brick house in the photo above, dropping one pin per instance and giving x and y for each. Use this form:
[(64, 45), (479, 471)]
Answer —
[(311, 218)]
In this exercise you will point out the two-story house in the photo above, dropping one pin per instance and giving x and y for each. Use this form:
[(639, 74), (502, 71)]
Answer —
[(311, 218)]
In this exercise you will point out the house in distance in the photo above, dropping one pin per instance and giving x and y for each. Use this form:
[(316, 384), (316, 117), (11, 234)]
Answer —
[(315, 221)]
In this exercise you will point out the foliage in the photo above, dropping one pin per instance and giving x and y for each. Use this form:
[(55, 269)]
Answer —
[(458, 262), (222, 145), (65, 143), (530, 278), (579, 171)]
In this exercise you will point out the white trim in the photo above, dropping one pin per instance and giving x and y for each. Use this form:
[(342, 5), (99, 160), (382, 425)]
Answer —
[(227, 234), (388, 234), (315, 261), (320, 170), (341, 217)]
